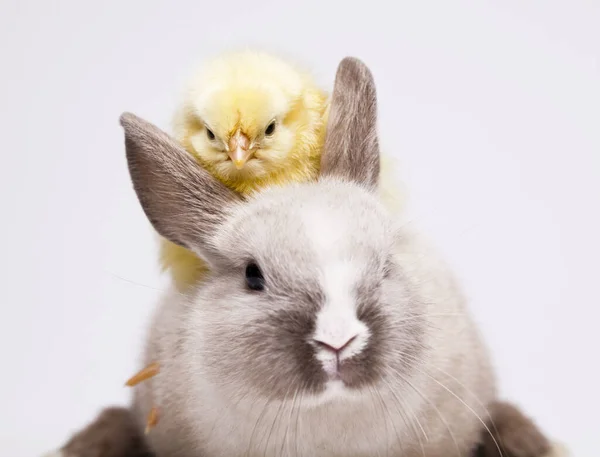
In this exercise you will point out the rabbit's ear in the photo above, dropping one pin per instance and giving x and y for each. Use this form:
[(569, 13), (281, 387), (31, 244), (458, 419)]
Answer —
[(184, 203), (351, 145)]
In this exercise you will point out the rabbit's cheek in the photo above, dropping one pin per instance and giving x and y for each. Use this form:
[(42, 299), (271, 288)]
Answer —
[(277, 357)]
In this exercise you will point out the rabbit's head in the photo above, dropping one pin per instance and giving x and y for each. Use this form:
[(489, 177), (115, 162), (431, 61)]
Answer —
[(304, 290)]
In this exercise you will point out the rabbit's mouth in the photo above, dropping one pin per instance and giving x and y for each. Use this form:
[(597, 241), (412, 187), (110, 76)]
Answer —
[(333, 371), (335, 360), (339, 374)]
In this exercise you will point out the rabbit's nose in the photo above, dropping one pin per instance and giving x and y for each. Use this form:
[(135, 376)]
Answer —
[(332, 347)]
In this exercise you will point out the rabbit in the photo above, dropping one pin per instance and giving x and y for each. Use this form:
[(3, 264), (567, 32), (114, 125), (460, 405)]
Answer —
[(325, 327)]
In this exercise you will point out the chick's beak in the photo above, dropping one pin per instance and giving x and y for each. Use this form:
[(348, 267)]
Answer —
[(239, 149)]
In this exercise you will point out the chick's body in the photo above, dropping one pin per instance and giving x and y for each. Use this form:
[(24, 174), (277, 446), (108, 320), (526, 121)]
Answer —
[(252, 120)]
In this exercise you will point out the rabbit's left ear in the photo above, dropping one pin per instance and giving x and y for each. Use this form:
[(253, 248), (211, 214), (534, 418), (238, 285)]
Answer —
[(351, 148), (182, 200)]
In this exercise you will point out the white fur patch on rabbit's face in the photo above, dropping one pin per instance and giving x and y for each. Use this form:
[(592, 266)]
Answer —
[(327, 319), (339, 335)]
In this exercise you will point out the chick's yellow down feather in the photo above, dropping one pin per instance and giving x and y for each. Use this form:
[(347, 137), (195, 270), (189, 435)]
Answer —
[(252, 120)]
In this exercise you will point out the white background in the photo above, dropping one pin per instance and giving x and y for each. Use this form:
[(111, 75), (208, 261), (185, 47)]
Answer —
[(492, 108)]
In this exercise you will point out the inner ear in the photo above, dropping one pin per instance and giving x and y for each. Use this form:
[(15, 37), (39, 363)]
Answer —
[(183, 201), (351, 148)]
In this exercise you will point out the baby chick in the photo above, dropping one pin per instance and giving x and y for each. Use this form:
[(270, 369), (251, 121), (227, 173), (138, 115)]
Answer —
[(252, 120)]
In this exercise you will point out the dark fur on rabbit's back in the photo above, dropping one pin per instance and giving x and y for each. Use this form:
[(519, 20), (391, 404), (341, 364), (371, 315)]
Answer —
[(114, 433)]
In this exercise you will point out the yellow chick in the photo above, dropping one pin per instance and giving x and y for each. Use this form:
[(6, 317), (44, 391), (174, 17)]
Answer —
[(252, 120)]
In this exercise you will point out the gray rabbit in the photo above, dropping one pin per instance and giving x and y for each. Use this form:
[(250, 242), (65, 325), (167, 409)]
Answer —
[(324, 328)]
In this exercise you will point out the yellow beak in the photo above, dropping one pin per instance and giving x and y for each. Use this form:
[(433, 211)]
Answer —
[(239, 149)]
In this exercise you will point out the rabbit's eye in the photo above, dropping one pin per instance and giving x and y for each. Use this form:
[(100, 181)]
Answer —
[(254, 277)]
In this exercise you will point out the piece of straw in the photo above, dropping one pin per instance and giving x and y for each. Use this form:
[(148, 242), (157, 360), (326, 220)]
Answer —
[(151, 420), (144, 374)]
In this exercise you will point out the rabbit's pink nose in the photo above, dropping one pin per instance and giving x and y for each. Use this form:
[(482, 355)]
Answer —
[(336, 349)]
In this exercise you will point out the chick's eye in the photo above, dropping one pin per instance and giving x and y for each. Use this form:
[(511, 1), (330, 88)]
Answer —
[(210, 134), (254, 277), (270, 129)]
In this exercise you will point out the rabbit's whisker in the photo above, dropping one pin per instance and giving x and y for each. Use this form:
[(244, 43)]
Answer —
[(426, 315), (258, 421), (297, 427), (284, 442), (375, 392), (145, 286), (235, 404), (280, 409), (451, 392), (469, 391), (469, 408), (432, 404), (410, 416)]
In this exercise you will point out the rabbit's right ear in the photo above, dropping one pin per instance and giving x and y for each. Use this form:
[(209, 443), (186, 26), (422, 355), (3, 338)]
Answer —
[(351, 145), (184, 202)]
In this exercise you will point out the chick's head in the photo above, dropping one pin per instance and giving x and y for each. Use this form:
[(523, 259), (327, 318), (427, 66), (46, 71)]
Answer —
[(251, 119)]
